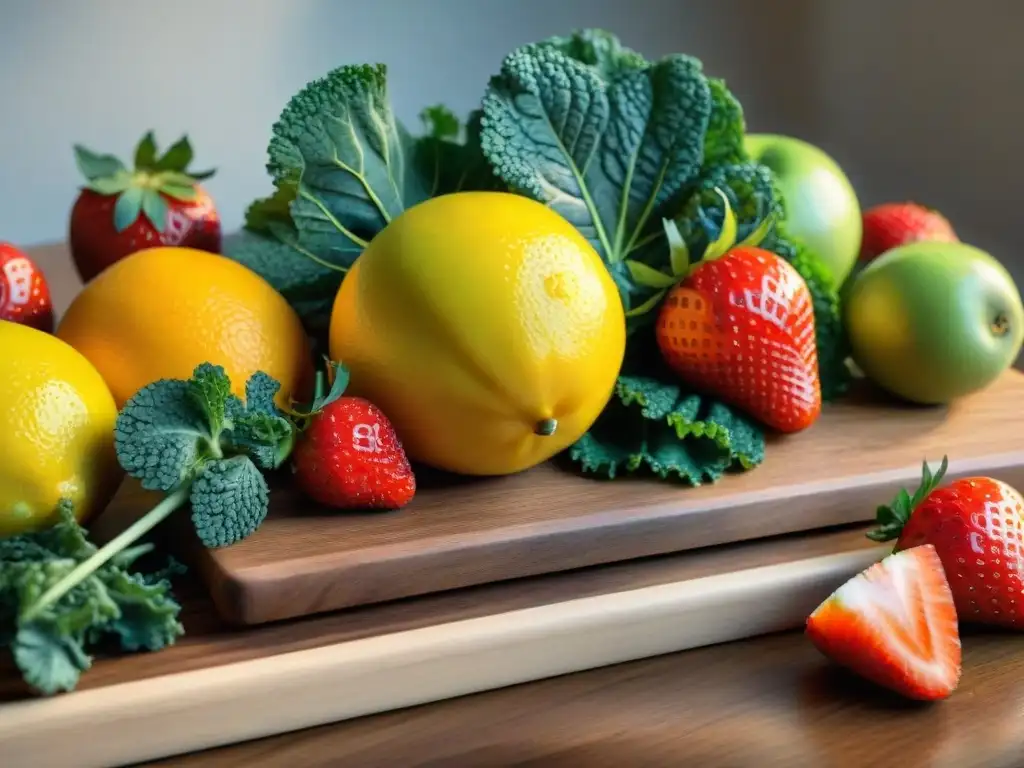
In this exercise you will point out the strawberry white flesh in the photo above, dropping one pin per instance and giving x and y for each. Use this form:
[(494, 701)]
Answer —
[(894, 624)]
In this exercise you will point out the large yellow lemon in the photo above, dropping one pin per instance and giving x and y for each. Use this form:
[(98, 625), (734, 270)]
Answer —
[(162, 311), (56, 431), (487, 329)]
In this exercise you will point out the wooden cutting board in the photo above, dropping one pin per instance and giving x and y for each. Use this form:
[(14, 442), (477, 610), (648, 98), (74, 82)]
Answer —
[(306, 560), (221, 684)]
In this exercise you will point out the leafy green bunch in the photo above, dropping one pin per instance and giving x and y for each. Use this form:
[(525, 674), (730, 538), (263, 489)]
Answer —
[(194, 441), (614, 143)]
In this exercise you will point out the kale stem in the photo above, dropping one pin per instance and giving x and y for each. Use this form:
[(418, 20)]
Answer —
[(128, 536)]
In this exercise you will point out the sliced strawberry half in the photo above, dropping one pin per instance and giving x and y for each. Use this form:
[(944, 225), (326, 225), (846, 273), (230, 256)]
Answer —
[(895, 624)]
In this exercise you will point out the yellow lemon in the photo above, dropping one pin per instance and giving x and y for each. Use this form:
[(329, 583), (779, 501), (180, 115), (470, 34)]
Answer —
[(486, 327), (162, 311), (56, 431)]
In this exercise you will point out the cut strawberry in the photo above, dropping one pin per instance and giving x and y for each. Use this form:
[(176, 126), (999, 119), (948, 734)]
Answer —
[(895, 624)]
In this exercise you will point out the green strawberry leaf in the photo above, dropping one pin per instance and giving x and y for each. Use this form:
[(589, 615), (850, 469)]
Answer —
[(127, 208), (155, 209), (111, 185), (145, 152), (176, 158), (179, 192), (94, 166)]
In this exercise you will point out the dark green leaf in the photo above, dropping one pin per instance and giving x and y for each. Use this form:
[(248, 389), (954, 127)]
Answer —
[(338, 141), (275, 208), (440, 122), (177, 157), (155, 209), (609, 151), (723, 144), (202, 175), (127, 208), (145, 153), (94, 166)]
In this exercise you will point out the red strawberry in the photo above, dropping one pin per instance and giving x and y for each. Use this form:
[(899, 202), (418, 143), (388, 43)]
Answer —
[(742, 326), (348, 455), (893, 224), (24, 293), (895, 624), (976, 525), (119, 212)]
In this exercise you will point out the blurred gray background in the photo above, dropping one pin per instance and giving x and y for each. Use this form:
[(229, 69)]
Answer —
[(914, 98)]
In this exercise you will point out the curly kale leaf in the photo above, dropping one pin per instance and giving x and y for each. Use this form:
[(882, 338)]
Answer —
[(50, 639), (723, 143), (598, 49), (338, 141), (609, 145), (753, 196), (654, 425)]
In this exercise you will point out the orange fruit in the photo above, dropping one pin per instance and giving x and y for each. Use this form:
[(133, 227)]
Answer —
[(162, 311)]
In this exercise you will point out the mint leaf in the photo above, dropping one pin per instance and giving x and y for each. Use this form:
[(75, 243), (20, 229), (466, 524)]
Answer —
[(229, 501), (609, 148), (161, 436), (209, 390)]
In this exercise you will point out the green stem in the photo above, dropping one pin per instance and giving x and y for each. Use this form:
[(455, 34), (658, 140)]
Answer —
[(128, 536)]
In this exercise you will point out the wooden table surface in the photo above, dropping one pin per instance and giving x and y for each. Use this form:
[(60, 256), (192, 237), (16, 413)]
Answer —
[(773, 701)]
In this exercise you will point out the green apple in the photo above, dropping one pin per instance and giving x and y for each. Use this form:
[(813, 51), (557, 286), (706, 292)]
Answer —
[(931, 322), (821, 206)]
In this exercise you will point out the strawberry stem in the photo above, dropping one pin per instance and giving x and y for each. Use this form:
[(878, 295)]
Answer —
[(892, 517)]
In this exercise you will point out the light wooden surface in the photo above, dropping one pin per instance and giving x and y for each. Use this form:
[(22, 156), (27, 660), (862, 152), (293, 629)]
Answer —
[(462, 532), (770, 702), (220, 686)]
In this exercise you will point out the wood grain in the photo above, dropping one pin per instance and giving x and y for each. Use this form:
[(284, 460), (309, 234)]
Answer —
[(772, 702), (209, 641), (304, 560), (232, 686), (463, 532)]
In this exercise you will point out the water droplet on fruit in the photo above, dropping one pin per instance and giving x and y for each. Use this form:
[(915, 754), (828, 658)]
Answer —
[(961, 560)]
